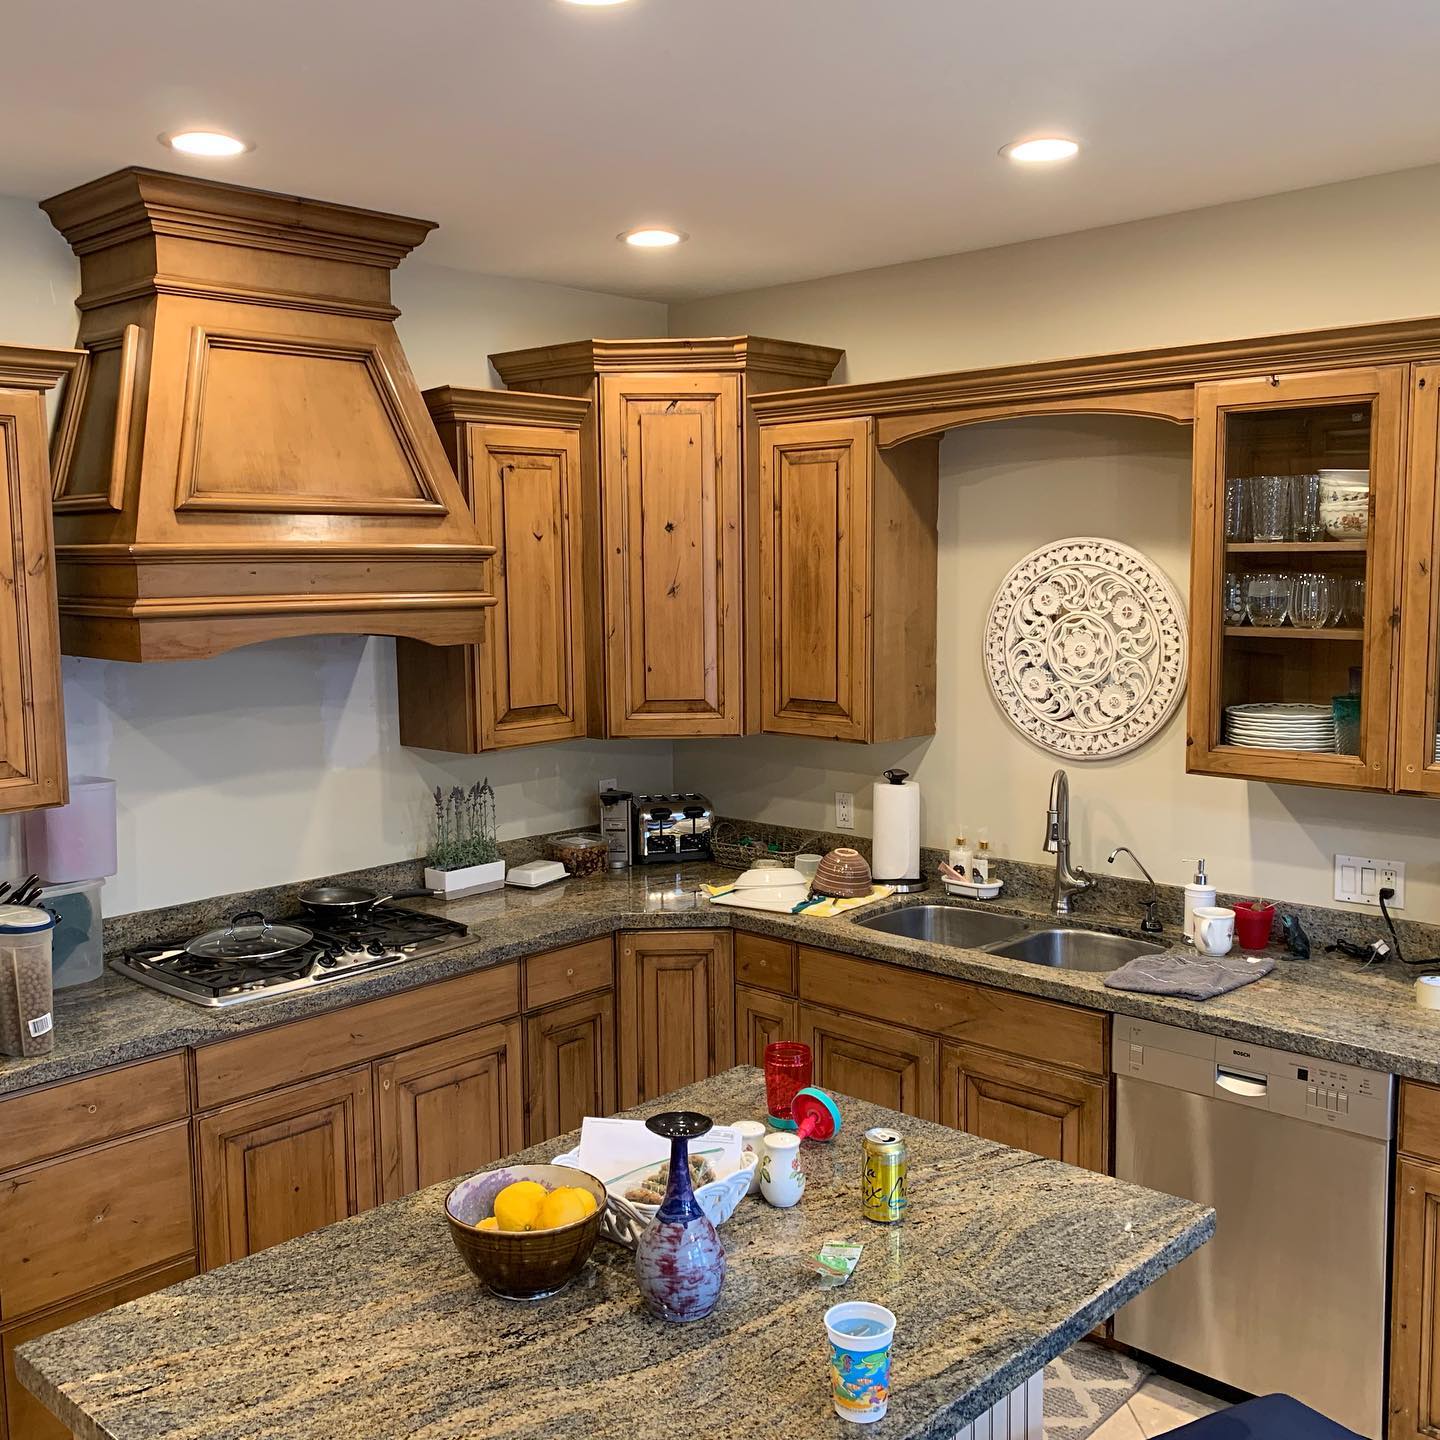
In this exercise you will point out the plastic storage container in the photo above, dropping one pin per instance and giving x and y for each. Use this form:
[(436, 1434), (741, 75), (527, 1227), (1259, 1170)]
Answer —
[(74, 841), (77, 950), (581, 854), (26, 1023)]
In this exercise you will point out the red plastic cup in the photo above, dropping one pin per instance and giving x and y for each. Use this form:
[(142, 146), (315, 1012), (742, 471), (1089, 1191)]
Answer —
[(1252, 924), (787, 1070)]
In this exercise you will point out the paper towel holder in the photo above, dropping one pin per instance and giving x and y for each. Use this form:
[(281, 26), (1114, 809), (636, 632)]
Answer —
[(905, 884)]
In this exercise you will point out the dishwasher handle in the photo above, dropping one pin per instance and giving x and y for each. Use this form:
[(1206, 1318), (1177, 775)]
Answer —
[(1241, 1084)]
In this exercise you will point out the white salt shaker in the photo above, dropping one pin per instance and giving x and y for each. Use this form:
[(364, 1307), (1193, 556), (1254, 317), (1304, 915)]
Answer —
[(752, 1141), (782, 1181)]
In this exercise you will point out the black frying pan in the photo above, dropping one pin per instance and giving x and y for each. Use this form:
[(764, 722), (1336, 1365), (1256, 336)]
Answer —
[(348, 902)]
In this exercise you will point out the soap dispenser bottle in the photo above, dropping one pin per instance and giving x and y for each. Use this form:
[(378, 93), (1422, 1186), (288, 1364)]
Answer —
[(1198, 892)]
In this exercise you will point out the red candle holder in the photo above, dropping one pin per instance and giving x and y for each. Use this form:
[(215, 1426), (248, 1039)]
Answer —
[(787, 1070)]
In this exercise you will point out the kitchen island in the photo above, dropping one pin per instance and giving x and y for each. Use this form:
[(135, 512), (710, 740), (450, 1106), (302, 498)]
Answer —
[(373, 1328)]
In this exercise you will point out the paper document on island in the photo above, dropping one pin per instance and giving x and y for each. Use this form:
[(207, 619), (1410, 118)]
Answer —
[(615, 1150)]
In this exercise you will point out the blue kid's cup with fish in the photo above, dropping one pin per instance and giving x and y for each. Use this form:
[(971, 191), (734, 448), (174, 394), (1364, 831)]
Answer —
[(860, 1335)]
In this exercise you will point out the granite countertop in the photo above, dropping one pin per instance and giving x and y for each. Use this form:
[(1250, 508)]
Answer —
[(1327, 1006), (374, 1328)]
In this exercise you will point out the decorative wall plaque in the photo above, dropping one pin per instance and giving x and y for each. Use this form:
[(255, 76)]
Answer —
[(1086, 648)]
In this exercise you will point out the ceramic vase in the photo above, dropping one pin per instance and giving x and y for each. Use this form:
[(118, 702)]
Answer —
[(679, 1261), (782, 1181)]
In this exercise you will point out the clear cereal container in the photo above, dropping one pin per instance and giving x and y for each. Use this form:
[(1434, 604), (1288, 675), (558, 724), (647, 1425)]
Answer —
[(581, 854), (26, 1024)]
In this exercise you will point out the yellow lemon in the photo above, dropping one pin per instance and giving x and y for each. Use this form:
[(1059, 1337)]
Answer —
[(516, 1205), (488, 1223), (564, 1207)]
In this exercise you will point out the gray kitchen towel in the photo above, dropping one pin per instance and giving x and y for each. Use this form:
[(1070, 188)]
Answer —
[(1196, 977)]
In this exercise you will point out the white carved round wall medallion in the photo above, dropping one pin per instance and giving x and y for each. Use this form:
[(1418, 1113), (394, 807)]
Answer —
[(1086, 648)]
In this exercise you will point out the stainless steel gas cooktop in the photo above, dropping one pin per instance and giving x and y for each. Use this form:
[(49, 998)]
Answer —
[(385, 936)]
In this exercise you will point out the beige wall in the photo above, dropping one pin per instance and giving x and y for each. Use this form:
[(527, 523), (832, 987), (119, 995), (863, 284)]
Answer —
[(283, 761), (1342, 254), (1335, 255)]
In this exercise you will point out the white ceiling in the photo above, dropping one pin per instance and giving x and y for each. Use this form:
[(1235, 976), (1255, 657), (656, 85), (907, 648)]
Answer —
[(790, 138)]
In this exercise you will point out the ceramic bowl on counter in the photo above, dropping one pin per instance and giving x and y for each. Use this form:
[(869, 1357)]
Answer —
[(719, 1199), (1346, 519), (522, 1264), (844, 874), (768, 874)]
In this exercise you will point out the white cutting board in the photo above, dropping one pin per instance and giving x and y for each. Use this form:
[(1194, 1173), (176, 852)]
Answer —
[(780, 898)]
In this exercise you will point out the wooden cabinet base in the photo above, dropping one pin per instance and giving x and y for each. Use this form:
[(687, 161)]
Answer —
[(761, 1018), (871, 1061), (570, 1057)]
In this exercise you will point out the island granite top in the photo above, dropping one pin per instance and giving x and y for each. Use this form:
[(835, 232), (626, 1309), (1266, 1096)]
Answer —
[(373, 1328), (1327, 1007)]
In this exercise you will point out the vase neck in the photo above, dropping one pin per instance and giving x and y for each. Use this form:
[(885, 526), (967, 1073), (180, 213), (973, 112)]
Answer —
[(679, 1202)]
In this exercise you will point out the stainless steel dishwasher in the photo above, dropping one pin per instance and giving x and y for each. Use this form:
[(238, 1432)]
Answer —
[(1294, 1154)]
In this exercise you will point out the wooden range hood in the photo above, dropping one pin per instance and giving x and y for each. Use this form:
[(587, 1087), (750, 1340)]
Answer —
[(246, 455)]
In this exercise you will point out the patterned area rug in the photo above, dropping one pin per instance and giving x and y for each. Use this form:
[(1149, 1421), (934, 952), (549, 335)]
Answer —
[(1085, 1386)]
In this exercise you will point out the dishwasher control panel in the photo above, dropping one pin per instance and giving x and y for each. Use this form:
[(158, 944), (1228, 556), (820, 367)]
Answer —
[(1343, 1097)]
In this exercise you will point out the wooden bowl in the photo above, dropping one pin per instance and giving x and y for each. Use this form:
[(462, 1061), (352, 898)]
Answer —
[(843, 874), (522, 1264)]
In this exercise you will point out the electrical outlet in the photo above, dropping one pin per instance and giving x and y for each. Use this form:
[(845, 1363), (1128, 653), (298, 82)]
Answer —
[(844, 810), (1360, 879), (611, 784)]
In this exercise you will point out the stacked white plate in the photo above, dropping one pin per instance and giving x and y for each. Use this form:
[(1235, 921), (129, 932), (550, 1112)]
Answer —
[(1437, 749), (1281, 727)]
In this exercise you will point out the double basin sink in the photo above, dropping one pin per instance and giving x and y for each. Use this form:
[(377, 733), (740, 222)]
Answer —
[(1007, 935)]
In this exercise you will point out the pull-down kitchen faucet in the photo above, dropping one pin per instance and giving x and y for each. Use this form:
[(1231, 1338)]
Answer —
[(1070, 880)]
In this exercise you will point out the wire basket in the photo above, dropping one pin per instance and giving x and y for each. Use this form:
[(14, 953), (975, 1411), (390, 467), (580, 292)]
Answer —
[(740, 852)]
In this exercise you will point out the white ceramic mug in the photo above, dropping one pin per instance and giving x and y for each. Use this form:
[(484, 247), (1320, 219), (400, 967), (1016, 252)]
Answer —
[(752, 1140), (782, 1181), (1213, 929)]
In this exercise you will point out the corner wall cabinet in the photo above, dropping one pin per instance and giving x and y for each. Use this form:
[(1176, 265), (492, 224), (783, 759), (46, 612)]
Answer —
[(669, 466), (517, 458), (1418, 711), (847, 579)]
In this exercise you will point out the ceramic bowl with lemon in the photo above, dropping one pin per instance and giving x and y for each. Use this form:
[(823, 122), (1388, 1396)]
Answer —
[(526, 1231)]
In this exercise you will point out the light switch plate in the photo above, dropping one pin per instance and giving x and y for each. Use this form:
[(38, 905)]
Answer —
[(611, 783), (1360, 878), (844, 810)]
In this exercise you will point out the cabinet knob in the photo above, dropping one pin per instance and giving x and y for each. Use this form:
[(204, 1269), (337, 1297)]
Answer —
[(570, 973)]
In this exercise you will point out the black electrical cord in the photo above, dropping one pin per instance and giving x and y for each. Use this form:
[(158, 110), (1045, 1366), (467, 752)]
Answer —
[(1388, 893)]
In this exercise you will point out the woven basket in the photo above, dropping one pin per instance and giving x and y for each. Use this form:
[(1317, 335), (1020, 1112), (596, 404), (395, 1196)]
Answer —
[(735, 852)]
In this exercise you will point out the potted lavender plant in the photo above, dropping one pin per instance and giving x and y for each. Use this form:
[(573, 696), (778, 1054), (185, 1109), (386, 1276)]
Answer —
[(464, 857)]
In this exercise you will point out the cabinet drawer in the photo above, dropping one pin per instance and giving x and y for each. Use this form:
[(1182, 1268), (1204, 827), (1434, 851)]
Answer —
[(77, 1224), (40, 1123), (979, 1014), (563, 974), (267, 1059), (1420, 1119), (761, 960)]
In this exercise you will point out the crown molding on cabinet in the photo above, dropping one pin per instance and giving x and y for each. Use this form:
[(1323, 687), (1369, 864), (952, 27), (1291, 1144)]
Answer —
[(587, 358), (503, 407)]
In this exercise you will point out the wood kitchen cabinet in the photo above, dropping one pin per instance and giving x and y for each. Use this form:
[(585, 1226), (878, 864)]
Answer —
[(1287, 425), (570, 1057), (1026, 1104), (448, 1108), (676, 1009), (761, 1018), (884, 1064), (847, 558), (285, 1163), (669, 461), (518, 461), (1415, 1269), (1417, 766)]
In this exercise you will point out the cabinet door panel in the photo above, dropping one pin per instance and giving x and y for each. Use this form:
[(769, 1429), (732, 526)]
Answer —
[(761, 1019), (671, 495), (883, 1064), (815, 578), (1415, 1309), (285, 1164), (1418, 763), (448, 1108), (32, 725), (1031, 1107), (676, 1010), (571, 1064)]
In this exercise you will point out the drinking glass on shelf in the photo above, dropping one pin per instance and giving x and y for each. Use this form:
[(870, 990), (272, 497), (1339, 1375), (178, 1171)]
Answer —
[(1352, 604), (1232, 599), (1270, 507), (1237, 509), (1310, 603), (1305, 508), (1267, 598)]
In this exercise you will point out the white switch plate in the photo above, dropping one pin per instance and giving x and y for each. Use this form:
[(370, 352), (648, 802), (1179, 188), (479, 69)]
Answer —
[(611, 784), (844, 810), (1360, 879)]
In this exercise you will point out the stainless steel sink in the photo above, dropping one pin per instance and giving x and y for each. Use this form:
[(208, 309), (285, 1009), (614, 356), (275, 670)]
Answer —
[(1074, 949), (947, 925)]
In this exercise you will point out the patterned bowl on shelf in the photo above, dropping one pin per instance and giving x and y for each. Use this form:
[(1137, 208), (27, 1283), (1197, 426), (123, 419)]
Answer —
[(1346, 519), (843, 874)]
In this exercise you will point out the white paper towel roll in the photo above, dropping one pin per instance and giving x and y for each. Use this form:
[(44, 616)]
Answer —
[(896, 854)]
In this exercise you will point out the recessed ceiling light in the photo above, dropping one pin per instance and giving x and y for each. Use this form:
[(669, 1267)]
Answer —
[(595, 2), (208, 144), (1040, 150), (652, 237)]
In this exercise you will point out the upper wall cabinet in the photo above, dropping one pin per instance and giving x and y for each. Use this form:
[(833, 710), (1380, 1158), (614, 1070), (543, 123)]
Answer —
[(670, 469), (32, 722), (245, 454), (1418, 731), (1293, 583), (847, 572), (518, 460)]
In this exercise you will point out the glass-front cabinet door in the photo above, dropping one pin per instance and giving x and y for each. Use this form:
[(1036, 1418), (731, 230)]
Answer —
[(1293, 583), (1418, 731)]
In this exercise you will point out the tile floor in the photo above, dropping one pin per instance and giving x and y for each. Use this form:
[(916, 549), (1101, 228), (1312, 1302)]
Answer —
[(1157, 1406)]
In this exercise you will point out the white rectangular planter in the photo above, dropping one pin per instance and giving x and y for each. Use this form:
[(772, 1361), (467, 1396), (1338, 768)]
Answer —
[(471, 880)]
